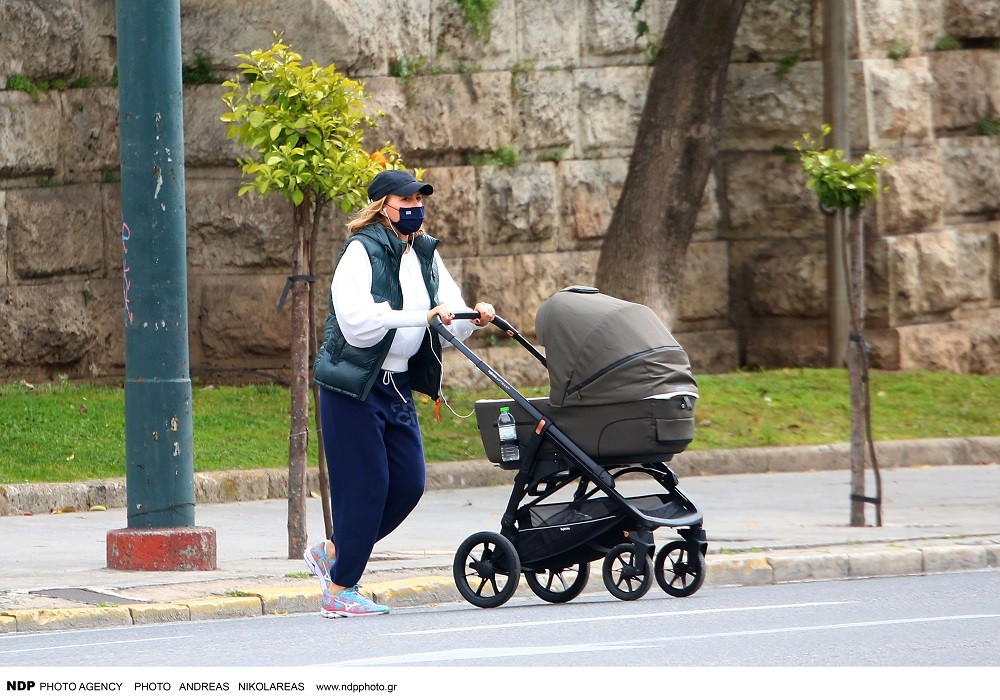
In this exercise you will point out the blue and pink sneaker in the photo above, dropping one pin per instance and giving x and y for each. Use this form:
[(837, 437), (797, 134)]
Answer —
[(350, 603), (319, 564)]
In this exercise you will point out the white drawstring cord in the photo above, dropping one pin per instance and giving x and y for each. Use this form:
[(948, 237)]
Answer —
[(387, 380), (444, 399)]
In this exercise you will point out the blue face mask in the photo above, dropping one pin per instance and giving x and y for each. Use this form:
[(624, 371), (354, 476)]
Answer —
[(410, 219)]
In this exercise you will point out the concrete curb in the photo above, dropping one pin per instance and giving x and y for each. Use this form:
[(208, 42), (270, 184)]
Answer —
[(891, 454), (260, 484), (864, 562), (731, 570)]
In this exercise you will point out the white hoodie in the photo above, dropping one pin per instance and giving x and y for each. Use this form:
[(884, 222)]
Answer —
[(364, 323)]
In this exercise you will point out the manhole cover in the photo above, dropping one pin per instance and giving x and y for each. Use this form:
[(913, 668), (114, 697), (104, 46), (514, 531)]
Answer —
[(84, 595)]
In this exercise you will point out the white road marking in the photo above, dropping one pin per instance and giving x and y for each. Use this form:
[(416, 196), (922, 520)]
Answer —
[(606, 618), (815, 628), (486, 653), (483, 653), (91, 644)]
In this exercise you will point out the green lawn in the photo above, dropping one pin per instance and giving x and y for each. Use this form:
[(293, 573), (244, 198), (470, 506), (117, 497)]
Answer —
[(66, 432)]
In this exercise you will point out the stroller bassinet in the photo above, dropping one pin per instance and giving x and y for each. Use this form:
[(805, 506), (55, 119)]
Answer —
[(620, 386), (621, 404)]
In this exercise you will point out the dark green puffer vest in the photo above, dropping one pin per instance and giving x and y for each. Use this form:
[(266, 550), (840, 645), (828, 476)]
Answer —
[(349, 370)]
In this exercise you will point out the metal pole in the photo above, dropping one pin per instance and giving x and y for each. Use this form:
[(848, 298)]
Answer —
[(158, 426), (835, 114)]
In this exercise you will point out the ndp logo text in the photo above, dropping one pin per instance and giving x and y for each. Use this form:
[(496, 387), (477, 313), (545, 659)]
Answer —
[(21, 685)]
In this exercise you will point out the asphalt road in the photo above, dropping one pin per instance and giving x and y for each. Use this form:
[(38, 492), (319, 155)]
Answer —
[(944, 620)]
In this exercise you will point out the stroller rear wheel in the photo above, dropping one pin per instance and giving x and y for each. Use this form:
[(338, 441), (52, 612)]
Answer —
[(622, 576), (487, 569), (559, 585), (678, 572)]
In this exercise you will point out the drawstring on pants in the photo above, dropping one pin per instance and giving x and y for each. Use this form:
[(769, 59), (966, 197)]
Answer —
[(441, 395), (387, 380)]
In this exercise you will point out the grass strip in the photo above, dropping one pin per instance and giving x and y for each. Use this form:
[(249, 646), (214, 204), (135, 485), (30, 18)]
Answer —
[(75, 432)]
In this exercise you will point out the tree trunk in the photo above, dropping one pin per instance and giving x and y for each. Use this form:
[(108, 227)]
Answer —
[(298, 438), (856, 364), (642, 258), (314, 337)]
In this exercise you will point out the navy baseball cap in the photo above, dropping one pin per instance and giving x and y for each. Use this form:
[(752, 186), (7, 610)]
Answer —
[(398, 182)]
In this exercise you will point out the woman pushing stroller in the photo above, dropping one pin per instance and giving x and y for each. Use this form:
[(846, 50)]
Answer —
[(389, 283)]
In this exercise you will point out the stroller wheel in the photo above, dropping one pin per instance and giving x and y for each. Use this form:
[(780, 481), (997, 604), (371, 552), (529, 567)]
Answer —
[(621, 572), (559, 585), (487, 569), (677, 572)]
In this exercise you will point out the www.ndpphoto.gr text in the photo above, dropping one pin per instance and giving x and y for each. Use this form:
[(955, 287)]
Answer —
[(357, 687)]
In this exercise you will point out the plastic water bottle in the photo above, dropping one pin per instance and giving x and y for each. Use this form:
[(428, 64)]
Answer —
[(509, 450)]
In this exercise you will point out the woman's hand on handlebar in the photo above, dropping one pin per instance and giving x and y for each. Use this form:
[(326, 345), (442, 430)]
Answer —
[(442, 312), (483, 315), (486, 314)]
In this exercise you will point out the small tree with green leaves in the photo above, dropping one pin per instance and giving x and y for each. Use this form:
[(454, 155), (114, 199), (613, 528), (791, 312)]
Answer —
[(845, 186), (304, 125)]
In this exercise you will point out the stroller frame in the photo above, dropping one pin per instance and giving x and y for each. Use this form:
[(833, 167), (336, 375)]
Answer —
[(620, 529)]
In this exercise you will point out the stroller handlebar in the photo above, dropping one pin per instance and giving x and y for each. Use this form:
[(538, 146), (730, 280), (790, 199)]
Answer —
[(438, 326), (473, 315), (500, 323)]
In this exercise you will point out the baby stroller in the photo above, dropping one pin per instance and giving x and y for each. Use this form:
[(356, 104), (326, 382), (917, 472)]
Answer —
[(592, 479)]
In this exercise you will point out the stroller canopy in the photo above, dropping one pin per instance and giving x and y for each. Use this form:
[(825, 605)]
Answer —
[(603, 350)]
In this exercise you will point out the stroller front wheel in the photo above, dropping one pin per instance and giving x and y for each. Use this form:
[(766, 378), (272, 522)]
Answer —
[(559, 585), (623, 576), (487, 569)]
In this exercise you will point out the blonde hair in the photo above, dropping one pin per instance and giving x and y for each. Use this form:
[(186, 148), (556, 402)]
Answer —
[(366, 215), (369, 214)]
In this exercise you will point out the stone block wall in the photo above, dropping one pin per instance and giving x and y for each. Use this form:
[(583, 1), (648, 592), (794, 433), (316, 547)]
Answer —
[(562, 82)]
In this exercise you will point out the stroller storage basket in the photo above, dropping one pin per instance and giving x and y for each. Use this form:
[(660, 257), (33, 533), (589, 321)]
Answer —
[(549, 530)]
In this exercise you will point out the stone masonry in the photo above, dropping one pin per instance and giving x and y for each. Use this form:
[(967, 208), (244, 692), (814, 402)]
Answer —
[(562, 82)]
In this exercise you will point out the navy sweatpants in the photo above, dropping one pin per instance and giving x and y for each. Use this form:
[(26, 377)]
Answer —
[(375, 457)]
